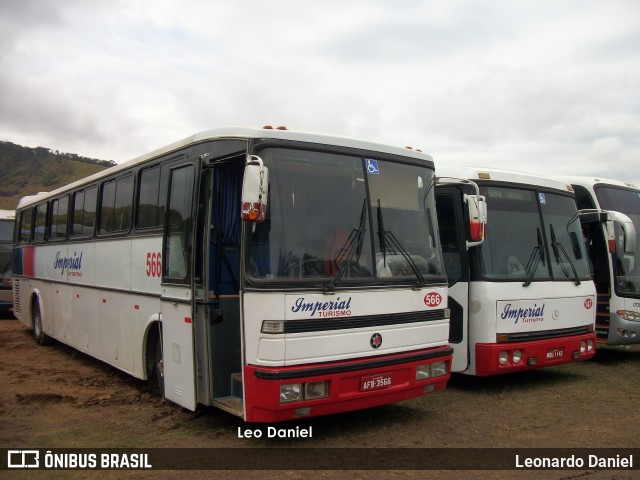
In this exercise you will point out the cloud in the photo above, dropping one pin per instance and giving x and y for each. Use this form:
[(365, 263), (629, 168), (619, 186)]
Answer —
[(529, 85)]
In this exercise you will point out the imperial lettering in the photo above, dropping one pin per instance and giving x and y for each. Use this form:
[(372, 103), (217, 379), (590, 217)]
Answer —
[(531, 314), (67, 263), (338, 307)]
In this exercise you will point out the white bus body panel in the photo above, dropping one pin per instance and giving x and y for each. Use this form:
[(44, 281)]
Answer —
[(95, 301), (311, 347)]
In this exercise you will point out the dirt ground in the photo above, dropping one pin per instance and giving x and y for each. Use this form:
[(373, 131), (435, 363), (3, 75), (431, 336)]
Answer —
[(56, 397)]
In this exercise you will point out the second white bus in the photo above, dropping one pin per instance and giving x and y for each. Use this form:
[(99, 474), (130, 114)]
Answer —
[(522, 298)]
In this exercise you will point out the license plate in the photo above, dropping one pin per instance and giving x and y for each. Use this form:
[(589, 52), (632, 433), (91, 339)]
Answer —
[(555, 353), (375, 382)]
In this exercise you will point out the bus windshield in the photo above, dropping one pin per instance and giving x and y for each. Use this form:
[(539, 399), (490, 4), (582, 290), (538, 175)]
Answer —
[(626, 266), (337, 218), (532, 235)]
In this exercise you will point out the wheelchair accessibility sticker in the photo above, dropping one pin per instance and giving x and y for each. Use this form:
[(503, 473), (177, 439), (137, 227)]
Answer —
[(372, 167)]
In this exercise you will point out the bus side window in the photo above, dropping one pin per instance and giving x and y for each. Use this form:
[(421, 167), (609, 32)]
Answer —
[(40, 223), (595, 243), (116, 204), (83, 217), (177, 249), (149, 214), (26, 219), (449, 237), (58, 221)]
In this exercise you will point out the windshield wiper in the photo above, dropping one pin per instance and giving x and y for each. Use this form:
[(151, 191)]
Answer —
[(388, 238), (557, 249), (534, 260), (351, 249)]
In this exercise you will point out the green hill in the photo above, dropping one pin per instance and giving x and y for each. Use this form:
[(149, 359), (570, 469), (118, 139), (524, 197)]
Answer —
[(26, 171)]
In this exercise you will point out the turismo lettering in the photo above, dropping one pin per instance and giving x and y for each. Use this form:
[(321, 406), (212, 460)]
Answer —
[(324, 309), (532, 314), (71, 265)]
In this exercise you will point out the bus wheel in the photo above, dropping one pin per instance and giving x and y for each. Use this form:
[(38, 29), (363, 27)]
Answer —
[(36, 320), (156, 368)]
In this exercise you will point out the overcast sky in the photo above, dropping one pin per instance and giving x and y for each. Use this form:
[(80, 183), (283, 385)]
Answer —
[(544, 86)]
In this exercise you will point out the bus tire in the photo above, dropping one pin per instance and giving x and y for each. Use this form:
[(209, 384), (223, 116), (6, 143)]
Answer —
[(155, 363), (159, 366), (36, 320)]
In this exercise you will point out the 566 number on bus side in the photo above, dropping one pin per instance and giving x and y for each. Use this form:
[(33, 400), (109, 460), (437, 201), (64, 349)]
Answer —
[(154, 264)]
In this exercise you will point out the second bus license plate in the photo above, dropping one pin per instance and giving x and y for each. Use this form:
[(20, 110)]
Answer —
[(555, 353), (375, 382)]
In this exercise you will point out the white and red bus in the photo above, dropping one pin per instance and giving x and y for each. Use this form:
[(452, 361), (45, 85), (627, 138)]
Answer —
[(271, 273), (6, 245), (520, 293), (616, 271)]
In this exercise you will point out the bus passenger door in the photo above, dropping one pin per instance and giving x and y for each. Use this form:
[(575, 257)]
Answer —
[(218, 332), (453, 238), (223, 285), (177, 288)]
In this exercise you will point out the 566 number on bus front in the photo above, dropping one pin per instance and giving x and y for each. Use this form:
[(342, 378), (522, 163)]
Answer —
[(154, 264), (432, 299)]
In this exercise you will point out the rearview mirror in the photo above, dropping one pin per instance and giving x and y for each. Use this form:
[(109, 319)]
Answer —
[(612, 219), (477, 206), (255, 190), (627, 241)]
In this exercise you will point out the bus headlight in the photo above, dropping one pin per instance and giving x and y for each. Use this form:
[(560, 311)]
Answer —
[(589, 345), (503, 357), (583, 346), (297, 392), (315, 390), (438, 369), (431, 370), (290, 393), (517, 356), (422, 372), (629, 315)]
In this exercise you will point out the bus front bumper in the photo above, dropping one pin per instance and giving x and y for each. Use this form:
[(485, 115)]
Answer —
[(348, 385), (497, 358)]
